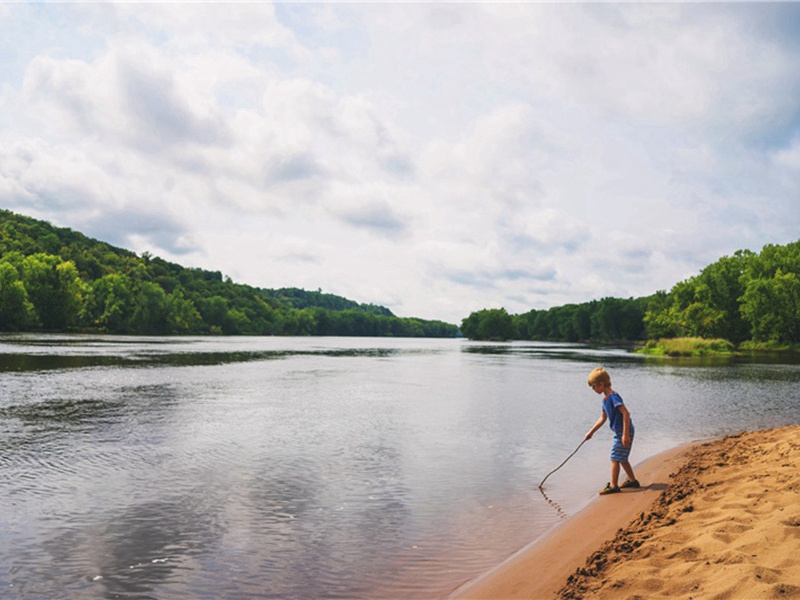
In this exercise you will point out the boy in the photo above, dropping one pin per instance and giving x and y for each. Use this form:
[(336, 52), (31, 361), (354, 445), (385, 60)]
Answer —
[(620, 422)]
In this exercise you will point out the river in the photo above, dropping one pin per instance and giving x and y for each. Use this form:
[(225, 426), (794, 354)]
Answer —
[(163, 468)]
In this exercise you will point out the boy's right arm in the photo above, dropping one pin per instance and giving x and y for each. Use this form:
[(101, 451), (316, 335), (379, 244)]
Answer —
[(596, 426)]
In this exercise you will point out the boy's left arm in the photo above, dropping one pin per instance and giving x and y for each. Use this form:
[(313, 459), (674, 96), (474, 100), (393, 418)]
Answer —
[(626, 425)]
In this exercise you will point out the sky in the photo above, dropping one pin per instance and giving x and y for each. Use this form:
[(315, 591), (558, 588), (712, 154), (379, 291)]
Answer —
[(433, 158)]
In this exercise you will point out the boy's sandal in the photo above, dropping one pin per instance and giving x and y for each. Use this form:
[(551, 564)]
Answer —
[(609, 490), (630, 484)]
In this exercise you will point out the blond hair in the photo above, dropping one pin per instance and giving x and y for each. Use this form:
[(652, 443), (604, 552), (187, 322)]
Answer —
[(600, 375)]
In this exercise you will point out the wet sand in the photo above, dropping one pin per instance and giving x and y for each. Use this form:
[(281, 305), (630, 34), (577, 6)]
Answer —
[(719, 519)]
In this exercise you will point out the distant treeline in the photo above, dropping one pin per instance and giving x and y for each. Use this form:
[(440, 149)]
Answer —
[(299, 298), (609, 319), (56, 279), (751, 298)]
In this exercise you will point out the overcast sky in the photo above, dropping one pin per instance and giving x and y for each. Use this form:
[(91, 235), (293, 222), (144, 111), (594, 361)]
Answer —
[(434, 158)]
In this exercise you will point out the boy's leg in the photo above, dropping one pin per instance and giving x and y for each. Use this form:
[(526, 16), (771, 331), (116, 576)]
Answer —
[(615, 473), (628, 470)]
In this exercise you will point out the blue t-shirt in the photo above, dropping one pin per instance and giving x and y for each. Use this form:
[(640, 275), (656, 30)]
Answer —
[(611, 406)]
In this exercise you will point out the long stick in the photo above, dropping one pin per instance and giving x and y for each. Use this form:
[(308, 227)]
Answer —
[(562, 464)]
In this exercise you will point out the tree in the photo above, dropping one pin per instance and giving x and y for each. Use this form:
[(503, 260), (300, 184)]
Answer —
[(489, 324), (236, 323), (150, 310), (110, 304), (772, 307), (182, 315), (214, 310), (306, 322), (55, 290), (16, 311), (706, 305)]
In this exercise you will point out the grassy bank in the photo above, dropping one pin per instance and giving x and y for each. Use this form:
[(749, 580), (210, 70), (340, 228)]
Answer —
[(752, 346), (688, 346)]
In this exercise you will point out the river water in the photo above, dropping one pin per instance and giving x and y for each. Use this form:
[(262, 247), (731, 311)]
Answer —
[(236, 468)]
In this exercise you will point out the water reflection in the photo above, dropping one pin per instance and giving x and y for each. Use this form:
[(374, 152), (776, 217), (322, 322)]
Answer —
[(146, 544), (36, 362), (26, 353), (130, 554), (62, 415), (623, 353)]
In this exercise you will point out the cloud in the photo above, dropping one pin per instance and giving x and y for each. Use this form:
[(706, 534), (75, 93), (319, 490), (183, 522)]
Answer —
[(436, 158), (36, 172), (376, 215), (130, 227), (127, 98), (206, 25), (788, 157)]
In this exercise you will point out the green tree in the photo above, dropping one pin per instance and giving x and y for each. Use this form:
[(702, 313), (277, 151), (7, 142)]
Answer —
[(16, 311), (772, 306), (581, 322), (706, 305), (720, 287), (55, 290), (236, 323), (306, 323), (182, 314), (150, 310), (109, 304), (616, 319), (214, 310), (489, 324)]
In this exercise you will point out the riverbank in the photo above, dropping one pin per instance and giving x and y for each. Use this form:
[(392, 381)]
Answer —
[(716, 519)]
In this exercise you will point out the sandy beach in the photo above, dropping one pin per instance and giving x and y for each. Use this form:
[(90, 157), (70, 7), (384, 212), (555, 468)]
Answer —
[(719, 519)]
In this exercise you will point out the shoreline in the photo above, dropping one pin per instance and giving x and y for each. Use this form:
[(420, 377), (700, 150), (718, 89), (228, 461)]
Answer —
[(541, 568), (697, 528)]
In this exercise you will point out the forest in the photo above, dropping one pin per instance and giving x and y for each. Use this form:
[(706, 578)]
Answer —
[(57, 280), (751, 299), (605, 320)]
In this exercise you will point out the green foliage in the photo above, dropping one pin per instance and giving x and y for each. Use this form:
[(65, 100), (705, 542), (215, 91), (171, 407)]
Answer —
[(763, 346), (59, 280), (489, 324), (771, 300), (150, 309), (16, 311), (54, 289), (706, 305), (744, 297), (109, 304), (182, 315), (688, 347), (299, 298), (609, 319)]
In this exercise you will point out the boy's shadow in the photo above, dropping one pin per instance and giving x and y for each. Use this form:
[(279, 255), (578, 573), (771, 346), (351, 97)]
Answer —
[(656, 487)]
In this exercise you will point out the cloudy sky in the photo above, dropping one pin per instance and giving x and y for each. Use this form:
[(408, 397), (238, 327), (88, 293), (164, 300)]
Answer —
[(434, 158)]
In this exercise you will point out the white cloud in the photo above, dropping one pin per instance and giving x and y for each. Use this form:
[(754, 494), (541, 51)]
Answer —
[(789, 157), (195, 26), (131, 97), (435, 158)]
